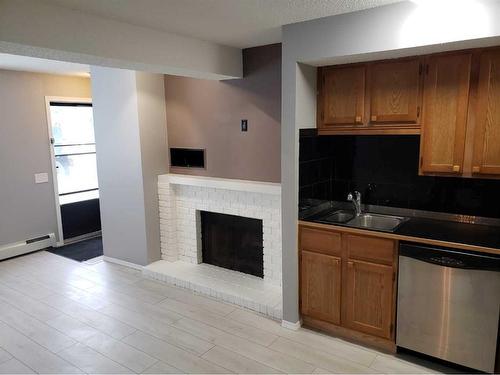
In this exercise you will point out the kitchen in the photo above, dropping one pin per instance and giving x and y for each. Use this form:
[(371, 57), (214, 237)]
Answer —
[(399, 215)]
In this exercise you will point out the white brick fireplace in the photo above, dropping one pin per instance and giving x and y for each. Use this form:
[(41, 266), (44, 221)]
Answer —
[(181, 199)]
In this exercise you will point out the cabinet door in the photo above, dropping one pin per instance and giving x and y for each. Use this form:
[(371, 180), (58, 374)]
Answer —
[(394, 92), (320, 286), (486, 159), (446, 97), (343, 96), (369, 298)]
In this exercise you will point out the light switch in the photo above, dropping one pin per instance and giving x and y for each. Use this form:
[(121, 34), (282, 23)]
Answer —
[(41, 178)]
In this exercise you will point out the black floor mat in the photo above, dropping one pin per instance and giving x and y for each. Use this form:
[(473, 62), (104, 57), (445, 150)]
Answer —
[(80, 251)]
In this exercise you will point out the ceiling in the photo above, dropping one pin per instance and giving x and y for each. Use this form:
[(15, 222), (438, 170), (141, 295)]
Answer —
[(237, 23)]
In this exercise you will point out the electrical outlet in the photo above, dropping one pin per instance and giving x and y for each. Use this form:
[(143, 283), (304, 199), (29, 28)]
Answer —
[(244, 125)]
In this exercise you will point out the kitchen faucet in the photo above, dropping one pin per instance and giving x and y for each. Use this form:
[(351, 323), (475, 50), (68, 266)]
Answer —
[(356, 200)]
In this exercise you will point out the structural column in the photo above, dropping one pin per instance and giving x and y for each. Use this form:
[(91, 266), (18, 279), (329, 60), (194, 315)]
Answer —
[(131, 143)]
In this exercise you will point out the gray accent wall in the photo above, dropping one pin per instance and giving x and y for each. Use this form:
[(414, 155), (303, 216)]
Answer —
[(206, 114), (27, 210), (129, 121)]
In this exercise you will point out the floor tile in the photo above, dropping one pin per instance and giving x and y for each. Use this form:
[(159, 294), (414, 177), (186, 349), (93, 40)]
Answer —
[(27, 304), (319, 358), (13, 366), (121, 353), (33, 355), (91, 361), (162, 368), (34, 329), (4, 356), (236, 362), (73, 328), (93, 318), (172, 355), (391, 365), (226, 324), (159, 329), (259, 353)]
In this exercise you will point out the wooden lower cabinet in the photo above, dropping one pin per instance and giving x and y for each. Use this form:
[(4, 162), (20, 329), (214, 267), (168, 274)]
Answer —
[(353, 294), (368, 298), (320, 289)]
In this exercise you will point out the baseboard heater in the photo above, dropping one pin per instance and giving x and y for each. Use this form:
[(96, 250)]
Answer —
[(27, 246)]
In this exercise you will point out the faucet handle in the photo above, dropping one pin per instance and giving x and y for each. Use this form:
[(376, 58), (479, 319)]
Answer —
[(350, 197), (357, 194)]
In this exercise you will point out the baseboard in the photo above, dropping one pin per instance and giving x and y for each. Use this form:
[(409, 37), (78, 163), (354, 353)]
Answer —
[(122, 263), (289, 325), (83, 237), (27, 246)]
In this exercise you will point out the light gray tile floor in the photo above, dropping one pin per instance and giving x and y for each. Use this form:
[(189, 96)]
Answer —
[(61, 316)]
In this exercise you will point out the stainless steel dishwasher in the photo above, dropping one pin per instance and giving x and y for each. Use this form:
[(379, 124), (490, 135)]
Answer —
[(449, 304)]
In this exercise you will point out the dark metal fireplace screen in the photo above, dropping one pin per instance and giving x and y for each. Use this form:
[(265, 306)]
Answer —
[(232, 242)]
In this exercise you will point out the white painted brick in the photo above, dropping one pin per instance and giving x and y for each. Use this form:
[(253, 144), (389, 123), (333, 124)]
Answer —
[(179, 221)]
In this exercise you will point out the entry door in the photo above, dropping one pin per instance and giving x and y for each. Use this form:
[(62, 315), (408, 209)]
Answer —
[(73, 142)]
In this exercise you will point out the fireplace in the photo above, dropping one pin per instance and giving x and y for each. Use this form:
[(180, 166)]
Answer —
[(232, 242)]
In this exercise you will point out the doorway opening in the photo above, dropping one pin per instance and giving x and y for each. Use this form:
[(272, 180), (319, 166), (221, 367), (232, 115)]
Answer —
[(74, 167)]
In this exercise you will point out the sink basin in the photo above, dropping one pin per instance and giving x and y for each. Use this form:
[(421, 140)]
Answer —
[(340, 217), (386, 223)]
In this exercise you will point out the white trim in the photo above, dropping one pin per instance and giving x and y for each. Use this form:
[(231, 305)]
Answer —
[(122, 263), (48, 99), (221, 183), (21, 247), (83, 237), (292, 326)]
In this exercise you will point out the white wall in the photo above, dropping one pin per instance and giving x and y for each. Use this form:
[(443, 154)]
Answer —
[(396, 30), (34, 28), (27, 210), (130, 132)]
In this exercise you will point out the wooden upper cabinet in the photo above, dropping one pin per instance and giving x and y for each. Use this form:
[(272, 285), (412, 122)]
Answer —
[(486, 155), (320, 286), (369, 298), (446, 97), (395, 92), (343, 96)]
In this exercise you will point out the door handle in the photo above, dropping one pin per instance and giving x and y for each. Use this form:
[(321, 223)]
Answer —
[(456, 168)]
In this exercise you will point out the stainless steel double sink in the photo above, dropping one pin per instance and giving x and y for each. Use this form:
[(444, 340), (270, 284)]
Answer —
[(385, 223)]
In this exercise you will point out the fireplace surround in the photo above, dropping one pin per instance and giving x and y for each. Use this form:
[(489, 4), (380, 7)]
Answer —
[(182, 198)]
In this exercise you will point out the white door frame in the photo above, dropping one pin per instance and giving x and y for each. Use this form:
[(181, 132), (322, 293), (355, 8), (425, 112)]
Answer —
[(61, 99)]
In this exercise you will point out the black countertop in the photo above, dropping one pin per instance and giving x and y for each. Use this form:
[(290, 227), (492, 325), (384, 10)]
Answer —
[(425, 228)]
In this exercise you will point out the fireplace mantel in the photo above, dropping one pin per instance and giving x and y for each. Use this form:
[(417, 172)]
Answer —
[(221, 183)]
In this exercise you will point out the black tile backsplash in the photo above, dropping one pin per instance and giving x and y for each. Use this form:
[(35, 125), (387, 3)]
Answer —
[(385, 170)]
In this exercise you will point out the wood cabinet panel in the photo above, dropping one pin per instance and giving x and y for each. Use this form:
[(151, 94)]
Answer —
[(320, 286), (343, 99), (369, 298), (486, 155), (373, 249), (320, 241), (394, 91), (446, 97)]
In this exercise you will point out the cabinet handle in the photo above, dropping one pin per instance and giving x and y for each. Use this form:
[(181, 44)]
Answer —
[(476, 169), (374, 118), (456, 168), (358, 118)]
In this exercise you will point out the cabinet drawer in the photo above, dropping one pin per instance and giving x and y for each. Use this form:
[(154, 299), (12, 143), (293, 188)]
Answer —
[(378, 250), (320, 241)]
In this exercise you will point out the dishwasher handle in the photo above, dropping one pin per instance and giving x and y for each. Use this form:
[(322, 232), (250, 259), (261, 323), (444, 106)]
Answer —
[(450, 257)]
